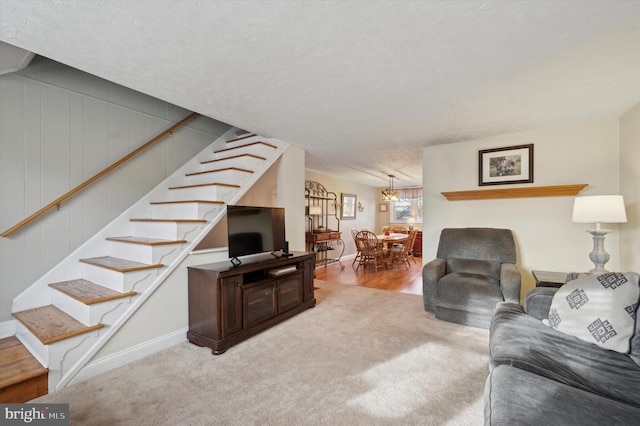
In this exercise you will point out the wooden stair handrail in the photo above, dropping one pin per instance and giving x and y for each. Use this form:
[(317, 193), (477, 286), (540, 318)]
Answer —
[(58, 201)]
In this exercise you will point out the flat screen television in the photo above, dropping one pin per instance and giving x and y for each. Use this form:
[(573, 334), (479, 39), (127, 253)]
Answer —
[(254, 230)]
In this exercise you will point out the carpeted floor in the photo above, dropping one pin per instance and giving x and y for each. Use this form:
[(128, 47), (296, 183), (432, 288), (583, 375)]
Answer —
[(360, 357)]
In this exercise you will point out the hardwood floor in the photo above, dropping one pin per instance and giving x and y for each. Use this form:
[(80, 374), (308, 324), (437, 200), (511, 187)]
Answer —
[(22, 378), (398, 279)]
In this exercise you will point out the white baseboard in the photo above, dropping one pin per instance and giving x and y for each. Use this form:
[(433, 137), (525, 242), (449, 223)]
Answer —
[(7, 328), (128, 355)]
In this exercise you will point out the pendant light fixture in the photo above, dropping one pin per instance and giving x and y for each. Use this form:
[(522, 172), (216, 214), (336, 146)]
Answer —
[(389, 194)]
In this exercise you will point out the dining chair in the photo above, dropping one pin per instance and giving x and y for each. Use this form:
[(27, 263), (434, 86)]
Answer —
[(413, 234), (399, 254), (371, 250), (354, 233)]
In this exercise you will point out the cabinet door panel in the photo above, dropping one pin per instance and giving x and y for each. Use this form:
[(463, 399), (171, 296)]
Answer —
[(259, 304), (203, 303), (308, 273), (231, 305), (289, 292)]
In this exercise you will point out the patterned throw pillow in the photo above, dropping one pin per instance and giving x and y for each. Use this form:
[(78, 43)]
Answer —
[(600, 309)]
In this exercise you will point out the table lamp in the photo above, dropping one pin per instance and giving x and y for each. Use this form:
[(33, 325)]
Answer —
[(315, 210), (599, 209)]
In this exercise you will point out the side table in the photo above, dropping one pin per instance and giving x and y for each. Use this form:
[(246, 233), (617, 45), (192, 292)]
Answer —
[(549, 279)]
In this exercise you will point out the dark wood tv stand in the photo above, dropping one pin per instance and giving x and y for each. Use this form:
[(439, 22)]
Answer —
[(228, 304)]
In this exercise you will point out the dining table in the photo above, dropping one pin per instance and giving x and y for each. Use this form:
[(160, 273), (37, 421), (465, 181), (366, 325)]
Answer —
[(393, 238), (388, 241)]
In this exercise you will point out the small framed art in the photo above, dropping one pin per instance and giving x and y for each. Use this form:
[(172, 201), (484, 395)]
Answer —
[(502, 166)]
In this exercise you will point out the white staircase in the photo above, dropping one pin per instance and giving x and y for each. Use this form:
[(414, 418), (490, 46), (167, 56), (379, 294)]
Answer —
[(70, 313)]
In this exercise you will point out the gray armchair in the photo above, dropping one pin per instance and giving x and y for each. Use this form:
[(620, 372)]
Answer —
[(474, 269)]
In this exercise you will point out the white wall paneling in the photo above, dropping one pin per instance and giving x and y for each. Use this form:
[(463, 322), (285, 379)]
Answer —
[(59, 127)]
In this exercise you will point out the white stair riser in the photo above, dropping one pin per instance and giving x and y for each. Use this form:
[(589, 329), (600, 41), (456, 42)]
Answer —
[(245, 162), (142, 253), (119, 281), (235, 177), (33, 344), (208, 193), (258, 149), (86, 314), (164, 230), (71, 306), (184, 210)]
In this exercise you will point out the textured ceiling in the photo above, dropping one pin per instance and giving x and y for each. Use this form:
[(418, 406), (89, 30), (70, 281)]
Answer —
[(363, 86)]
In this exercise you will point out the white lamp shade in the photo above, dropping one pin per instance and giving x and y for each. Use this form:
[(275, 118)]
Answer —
[(599, 209), (315, 210)]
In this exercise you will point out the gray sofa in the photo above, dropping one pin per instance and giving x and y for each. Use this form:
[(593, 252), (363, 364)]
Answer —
[(541, 376), (473, 270)]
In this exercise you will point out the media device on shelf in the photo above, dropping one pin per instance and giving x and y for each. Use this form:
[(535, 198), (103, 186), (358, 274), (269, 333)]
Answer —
[(254, 230)]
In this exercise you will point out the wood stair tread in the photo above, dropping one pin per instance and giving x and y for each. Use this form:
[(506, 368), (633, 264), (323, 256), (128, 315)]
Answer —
[(224, 169), (231, 185), (88, 292), (156, 203), (145, 241), (241, 138), (120, 265), (246, 145), (16, 363), (234, 157), (49, 324)]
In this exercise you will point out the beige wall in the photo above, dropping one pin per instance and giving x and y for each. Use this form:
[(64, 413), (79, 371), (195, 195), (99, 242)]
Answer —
[(630, 188), (545, 236), (365, 195), (280, 186), (291, 177)]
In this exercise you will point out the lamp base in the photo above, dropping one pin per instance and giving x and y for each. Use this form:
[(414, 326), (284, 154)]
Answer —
[(597, 271), (598, 255)]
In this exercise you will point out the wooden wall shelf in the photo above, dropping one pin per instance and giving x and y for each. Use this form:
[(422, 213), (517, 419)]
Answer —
[(521, 192)]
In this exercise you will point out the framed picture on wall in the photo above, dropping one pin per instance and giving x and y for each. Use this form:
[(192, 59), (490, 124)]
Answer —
[(348, 206), (383, 207), (502, 166)]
